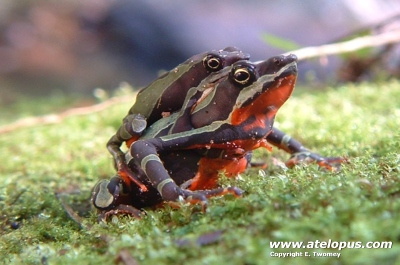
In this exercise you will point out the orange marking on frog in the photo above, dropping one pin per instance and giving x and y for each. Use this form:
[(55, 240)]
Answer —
[(207, 175), (265, 106), (246, 145), (131, 141)]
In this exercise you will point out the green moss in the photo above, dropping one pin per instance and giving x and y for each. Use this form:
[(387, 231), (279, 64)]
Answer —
[(28, 105), (359, 203)]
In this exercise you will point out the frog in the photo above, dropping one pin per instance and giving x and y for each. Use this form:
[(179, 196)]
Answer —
[(235, 118), (165, 95), (201, 163)]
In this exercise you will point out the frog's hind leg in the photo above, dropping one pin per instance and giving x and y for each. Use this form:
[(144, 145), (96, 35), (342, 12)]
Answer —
[(300, 154)]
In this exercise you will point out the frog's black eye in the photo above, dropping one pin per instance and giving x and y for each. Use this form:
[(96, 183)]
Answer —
[(243, 75), (212, 63)]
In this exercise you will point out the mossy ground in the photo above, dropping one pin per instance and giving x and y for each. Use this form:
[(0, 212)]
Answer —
[(359, 203)]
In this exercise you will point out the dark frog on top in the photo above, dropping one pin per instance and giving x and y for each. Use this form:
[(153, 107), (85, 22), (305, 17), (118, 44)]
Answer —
[(163, 96)]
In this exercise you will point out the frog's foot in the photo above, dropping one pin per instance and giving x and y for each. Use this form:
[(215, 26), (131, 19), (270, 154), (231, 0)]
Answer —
[(224, 191), (121, 209), (260, 165), (329, 163), (129, 177), (201, 196)]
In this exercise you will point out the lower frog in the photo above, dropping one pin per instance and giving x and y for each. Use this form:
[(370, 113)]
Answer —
[(115, 197)]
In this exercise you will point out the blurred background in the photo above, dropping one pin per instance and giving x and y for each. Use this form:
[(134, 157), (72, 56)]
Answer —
[(77, 46)]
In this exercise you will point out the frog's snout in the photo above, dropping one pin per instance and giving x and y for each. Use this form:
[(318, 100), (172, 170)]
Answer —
[(291, 58)]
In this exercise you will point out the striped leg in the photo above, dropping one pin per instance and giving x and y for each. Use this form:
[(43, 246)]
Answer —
[(144, 154), (131, 129), (301, 154), (158, 175)]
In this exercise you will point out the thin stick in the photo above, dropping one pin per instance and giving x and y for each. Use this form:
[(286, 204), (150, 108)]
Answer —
[(57, 118), (302, 54), (347, 46)]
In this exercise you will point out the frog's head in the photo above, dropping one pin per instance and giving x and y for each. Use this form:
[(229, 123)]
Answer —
[(264, 86), (216, 60)]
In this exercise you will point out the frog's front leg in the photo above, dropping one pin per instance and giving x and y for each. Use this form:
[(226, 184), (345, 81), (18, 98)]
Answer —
[(131, 129), (301, 154), (145, 154)]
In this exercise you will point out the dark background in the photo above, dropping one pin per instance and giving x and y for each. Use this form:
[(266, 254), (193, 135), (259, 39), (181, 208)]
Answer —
[(76, 46)]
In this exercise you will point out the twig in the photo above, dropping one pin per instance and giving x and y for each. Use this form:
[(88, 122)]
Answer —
[(302, 54), (348, 46), (57, 118)]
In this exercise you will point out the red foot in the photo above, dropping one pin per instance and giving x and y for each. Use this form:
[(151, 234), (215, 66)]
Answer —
[(129, 177), (329, 163)]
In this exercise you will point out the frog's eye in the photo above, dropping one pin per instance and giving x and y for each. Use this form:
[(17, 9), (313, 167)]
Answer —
[(243, 75), (212, 63)]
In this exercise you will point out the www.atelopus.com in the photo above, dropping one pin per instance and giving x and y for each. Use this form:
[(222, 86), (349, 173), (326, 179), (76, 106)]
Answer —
[(338, 245), (317, 244)]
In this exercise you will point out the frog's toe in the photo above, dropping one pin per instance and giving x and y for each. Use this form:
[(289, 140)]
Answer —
[(121, 209), (196, 197), (332, 163), (224, 191), (298, 158), (329, 163), (200, 196)]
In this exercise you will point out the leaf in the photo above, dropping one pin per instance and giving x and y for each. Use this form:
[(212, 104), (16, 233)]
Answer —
[(280, 43)]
